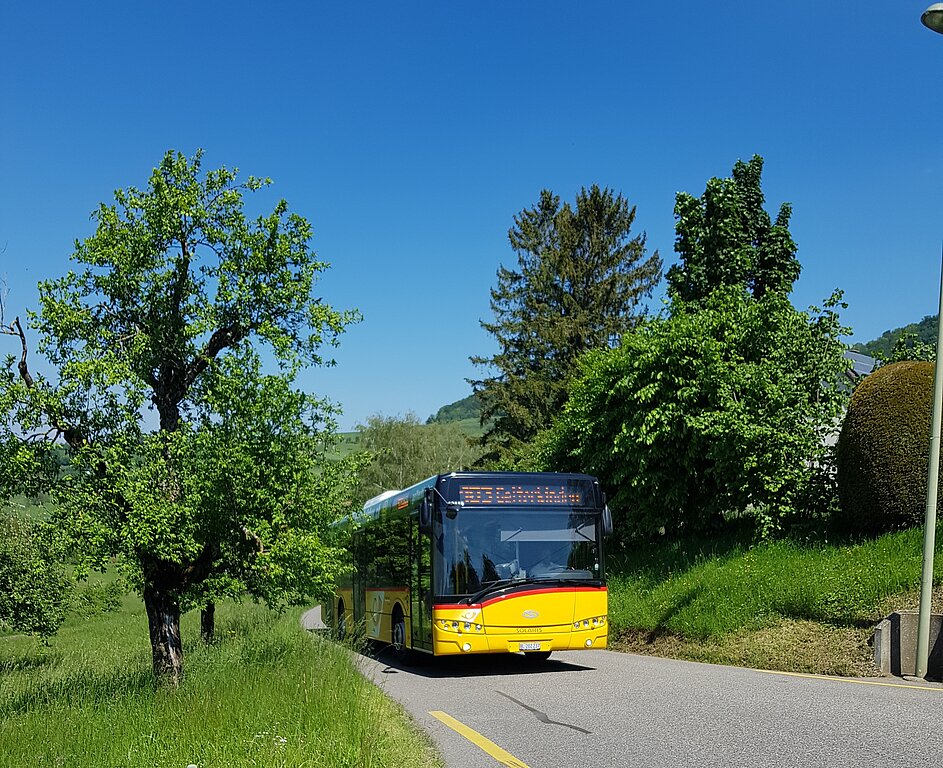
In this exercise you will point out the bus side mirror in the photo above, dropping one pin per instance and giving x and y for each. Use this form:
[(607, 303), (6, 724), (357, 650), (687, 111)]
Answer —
[(426, 510), (606, 521)]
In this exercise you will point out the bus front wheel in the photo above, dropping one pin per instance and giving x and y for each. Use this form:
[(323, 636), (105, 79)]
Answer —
[(399, 635)]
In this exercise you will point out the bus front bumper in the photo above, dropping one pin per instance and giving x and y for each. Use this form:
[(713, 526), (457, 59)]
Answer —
[(500, 640)]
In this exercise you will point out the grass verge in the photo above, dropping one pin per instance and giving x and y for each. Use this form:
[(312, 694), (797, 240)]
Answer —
[(780, 605), (266, 693)]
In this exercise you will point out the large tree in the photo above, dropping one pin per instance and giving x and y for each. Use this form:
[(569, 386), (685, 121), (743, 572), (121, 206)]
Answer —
[(172, 296), (725, 237), (580, 281)]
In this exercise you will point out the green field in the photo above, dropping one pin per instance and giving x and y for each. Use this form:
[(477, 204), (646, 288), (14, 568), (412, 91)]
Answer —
[(266, 694), (347, 443)]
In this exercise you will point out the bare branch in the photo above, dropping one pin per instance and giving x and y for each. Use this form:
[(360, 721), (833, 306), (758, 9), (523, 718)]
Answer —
[(73, 436), (254, 537), (222, 338), (4, 292), (16, 329)]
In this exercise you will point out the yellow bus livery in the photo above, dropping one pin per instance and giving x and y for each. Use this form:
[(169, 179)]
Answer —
[(480, 562)]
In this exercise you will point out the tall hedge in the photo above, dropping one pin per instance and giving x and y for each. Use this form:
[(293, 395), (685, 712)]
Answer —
[(883, 449)]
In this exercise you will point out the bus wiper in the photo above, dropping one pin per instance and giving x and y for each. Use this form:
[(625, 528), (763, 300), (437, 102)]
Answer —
[(580, 533), (496, 586)]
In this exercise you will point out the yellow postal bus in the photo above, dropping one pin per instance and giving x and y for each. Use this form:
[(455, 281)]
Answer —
[(480, 562)]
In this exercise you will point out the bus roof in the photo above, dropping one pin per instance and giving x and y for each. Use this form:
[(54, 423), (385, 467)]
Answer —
[(408, 499)]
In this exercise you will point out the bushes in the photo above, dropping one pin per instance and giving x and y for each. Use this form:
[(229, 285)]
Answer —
[(33, 587), (710, 413), (883, 449)]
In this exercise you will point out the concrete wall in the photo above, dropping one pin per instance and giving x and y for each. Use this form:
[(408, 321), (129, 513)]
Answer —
[(895, 645)]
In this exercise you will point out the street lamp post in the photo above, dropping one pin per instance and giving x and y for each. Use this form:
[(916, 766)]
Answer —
[(932, 18)]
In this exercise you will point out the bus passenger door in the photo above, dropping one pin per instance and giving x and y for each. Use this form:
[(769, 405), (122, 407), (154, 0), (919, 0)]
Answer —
[(420, 587)]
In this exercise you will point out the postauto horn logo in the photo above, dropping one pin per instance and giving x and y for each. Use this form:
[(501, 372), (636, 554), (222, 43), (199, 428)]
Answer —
[(530, 614)]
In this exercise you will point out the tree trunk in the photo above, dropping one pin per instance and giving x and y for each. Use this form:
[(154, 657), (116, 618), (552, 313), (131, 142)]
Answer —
[(163, 619), (208, 623)]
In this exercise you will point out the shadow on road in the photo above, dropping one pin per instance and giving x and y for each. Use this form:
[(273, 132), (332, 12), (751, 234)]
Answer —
[(482, 665)]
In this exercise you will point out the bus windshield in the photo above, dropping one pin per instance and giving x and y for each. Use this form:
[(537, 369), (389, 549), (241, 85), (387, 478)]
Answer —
[(479, 548)]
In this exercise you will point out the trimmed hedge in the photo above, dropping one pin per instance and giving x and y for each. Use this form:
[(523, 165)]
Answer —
[(883, 449)]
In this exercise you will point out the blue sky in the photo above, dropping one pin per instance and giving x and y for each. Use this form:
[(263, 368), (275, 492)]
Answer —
[(410, 134)]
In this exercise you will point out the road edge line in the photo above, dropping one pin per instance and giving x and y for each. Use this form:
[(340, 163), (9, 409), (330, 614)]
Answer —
[(852, 680)]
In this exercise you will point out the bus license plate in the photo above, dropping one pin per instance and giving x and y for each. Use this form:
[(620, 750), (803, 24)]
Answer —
[(530, 646)]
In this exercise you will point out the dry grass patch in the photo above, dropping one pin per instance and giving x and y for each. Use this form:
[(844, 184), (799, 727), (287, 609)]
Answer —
[(788, 645)]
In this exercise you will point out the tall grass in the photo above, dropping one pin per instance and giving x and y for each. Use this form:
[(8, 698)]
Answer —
[(706, 590), (266, 694)]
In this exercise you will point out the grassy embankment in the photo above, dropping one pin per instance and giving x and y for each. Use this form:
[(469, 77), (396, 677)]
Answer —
[(267, 693), (782, 605)]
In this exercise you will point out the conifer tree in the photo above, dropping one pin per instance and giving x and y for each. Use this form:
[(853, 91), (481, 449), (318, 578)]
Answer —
[(580, 281)]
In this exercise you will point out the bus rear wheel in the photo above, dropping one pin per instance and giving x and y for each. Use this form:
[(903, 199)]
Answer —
[(340, 626)]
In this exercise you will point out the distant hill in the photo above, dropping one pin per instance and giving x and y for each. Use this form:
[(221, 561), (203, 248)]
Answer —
[(461, 410), (925, 331), (466, 413)]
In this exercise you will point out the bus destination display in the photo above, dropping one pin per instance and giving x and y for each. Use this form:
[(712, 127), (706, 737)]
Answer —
[(511, 494)]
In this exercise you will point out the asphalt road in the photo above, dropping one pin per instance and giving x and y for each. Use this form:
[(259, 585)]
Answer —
[(600, 708)]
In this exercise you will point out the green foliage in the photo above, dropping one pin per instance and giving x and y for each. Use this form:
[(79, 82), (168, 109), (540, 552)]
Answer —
[(908, 346), (34, 590), (241, 497), (726, 238), (882, 347), (404, 451), (883, 449), (30, 463), (709, 413), (174, 294), (97, 596), (580, 281), (718, 409)]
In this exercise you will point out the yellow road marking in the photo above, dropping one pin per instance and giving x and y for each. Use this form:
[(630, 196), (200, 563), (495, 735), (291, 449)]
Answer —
[(503, 757), (853, 680)]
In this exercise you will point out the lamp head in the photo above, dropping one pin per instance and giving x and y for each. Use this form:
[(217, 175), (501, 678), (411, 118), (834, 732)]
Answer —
[(932, 18)]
